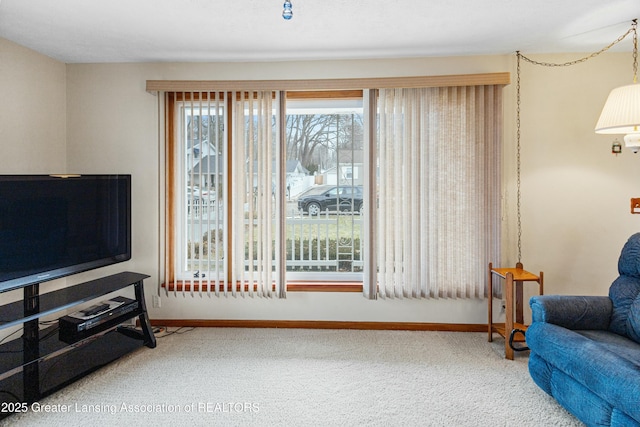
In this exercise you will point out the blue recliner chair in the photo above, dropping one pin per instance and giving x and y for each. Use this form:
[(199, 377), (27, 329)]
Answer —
[(585, 350)]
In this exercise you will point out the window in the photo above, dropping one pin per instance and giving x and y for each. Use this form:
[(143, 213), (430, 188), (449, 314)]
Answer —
[(324, 221), (272, 187), (197, 152)]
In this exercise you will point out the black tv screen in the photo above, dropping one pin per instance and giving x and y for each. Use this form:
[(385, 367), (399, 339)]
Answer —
[(52, 226)]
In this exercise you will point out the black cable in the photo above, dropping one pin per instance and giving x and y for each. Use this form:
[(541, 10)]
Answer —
[(51, 333), (512, 337), (181, 330), (12, 333)]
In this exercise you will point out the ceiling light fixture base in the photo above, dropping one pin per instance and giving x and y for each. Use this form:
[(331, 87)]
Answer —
[(287, 12)]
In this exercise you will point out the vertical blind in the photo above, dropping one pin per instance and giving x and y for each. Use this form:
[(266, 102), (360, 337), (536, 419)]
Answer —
[(433, 192), (195, 229), (255, 151), (439, 190), (221, 231)]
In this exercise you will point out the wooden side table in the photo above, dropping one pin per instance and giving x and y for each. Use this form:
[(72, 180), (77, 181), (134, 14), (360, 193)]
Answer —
[(513, 280)]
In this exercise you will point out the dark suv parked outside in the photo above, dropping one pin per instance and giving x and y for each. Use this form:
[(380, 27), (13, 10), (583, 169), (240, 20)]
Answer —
[(332, 198)]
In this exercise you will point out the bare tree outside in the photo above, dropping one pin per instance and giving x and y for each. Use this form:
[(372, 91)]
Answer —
[(328, 143), (315, 139)]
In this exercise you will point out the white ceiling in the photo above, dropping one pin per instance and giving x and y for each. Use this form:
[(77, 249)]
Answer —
[(87, 31)]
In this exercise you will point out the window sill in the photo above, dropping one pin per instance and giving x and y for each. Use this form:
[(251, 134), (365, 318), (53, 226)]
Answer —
[(204, 286)]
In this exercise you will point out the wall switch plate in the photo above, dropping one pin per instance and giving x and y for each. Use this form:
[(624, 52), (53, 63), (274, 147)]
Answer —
[(155, 300)]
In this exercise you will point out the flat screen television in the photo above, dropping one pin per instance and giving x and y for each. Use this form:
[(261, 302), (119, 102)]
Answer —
[(53, 226)]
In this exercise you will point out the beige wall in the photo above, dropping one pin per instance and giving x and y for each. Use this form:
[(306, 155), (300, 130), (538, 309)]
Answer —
[(32, 111), (575, 194)]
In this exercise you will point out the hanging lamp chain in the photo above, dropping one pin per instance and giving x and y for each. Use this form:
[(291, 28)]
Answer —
[(519, 56), (634, 27), (633, 30)]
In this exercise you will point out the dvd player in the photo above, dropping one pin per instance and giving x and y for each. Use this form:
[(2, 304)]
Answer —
[(76, 326)]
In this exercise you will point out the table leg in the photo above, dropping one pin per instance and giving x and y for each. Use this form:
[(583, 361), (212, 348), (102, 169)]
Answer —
[(519, 303), (519, 298), (508, 317), (490, 296)]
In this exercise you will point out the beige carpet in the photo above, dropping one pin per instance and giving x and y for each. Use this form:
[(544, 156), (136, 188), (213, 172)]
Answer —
[(299, 377)]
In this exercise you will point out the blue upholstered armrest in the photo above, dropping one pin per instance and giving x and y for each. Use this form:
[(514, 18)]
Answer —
[(572, 312)]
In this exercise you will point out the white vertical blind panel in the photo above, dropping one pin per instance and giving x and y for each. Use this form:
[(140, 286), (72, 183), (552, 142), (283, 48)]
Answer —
[(370, 284), (238, 194), (193, 237), (439, 199), (253, 193), (205, 161)]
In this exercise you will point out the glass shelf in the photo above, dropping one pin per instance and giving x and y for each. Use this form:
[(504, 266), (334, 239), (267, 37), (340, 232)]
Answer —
[(14, 313), (41, 362)]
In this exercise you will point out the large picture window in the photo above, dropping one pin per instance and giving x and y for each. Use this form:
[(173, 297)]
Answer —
[(393, 192)]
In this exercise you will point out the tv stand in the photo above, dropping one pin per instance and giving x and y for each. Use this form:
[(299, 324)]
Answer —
[(40, 363)]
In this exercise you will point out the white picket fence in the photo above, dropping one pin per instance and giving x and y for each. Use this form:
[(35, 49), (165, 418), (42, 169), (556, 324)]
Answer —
[(327, 242)]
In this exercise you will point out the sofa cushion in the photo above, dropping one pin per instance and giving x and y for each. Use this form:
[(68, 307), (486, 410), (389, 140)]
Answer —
[(625, 292), (572, 311), (633, 323), (625, 299), (629, 261), (621, 346), (606, 365)]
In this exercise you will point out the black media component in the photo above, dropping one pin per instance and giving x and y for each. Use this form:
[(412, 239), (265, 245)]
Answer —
[(85, 323)]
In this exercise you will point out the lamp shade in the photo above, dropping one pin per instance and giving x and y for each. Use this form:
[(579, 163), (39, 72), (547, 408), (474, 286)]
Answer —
[(621, 112)]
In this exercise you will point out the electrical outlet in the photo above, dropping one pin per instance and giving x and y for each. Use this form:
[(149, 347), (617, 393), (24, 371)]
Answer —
[(155, 300)]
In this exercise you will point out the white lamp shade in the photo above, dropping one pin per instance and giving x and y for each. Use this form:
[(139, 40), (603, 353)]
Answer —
[(621, 112)]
